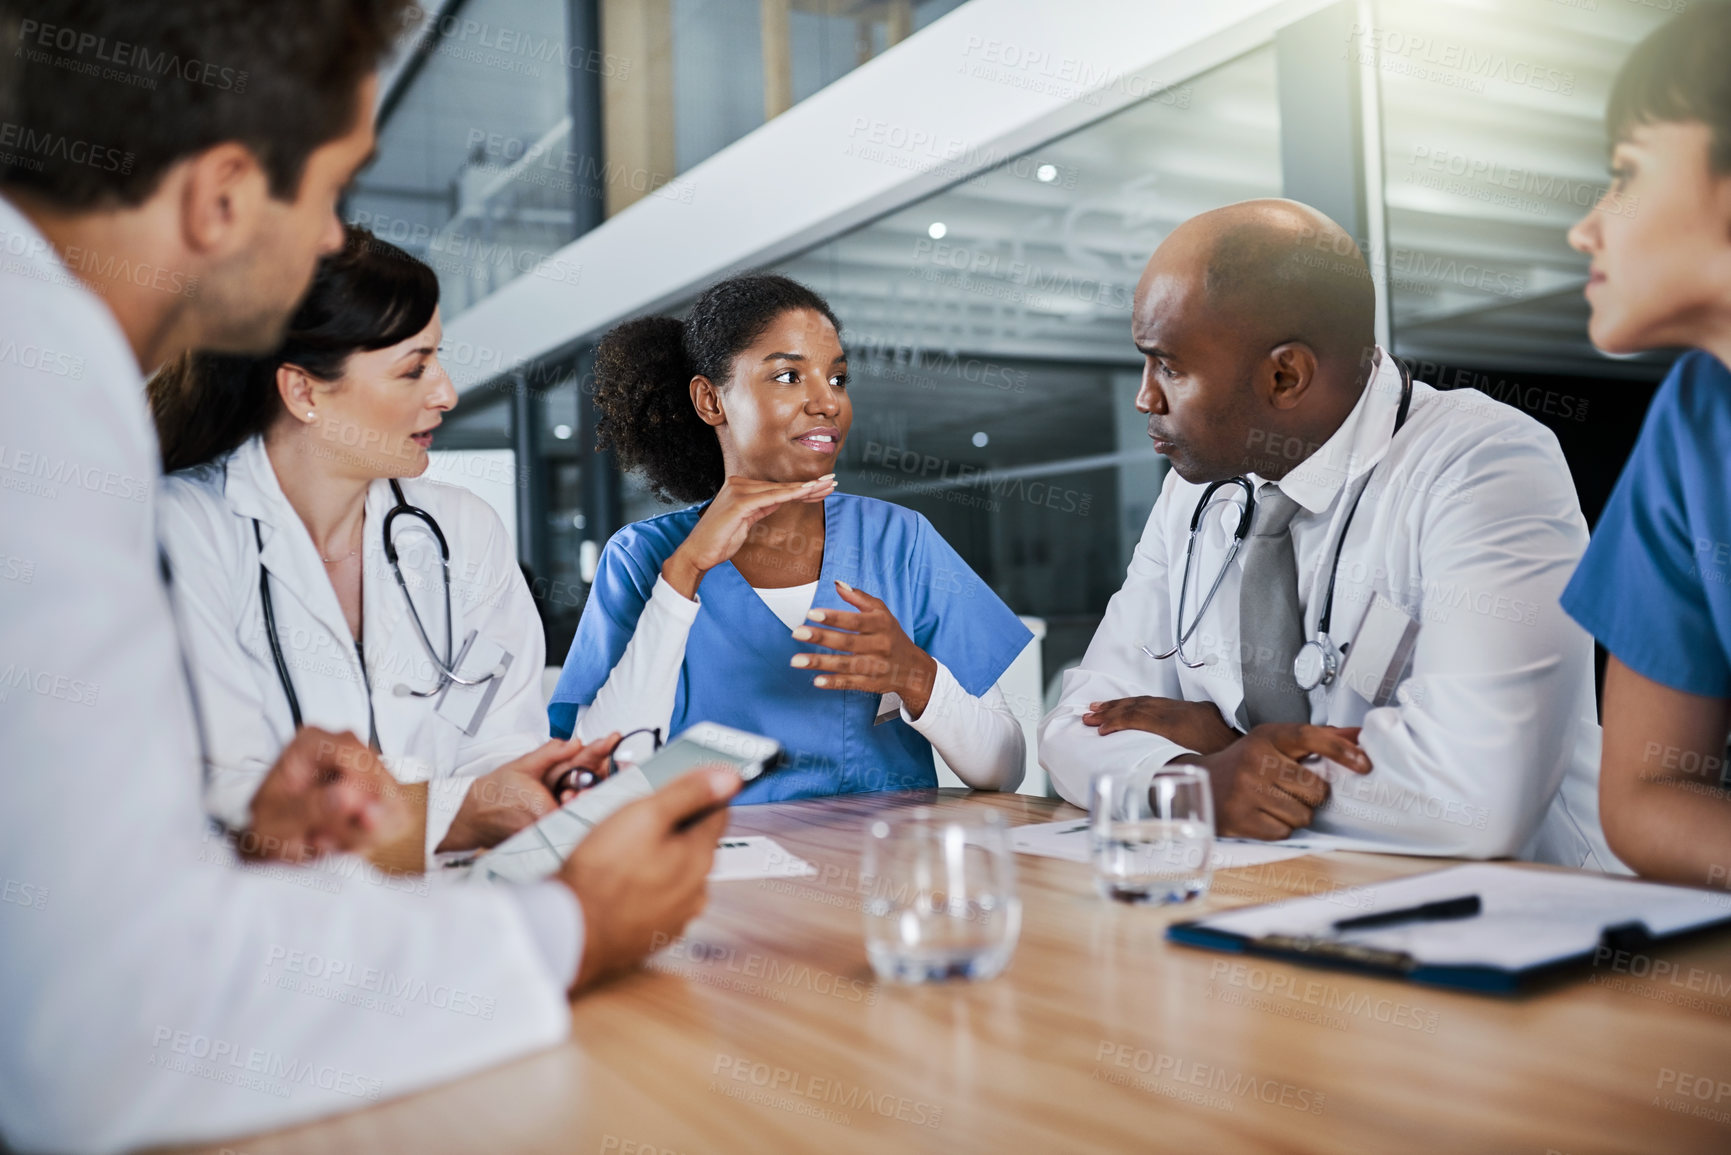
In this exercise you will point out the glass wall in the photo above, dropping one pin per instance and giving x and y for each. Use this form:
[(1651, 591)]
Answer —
[(988, 324), (988, 330), (477, 173), (1494, 144), (468, 175)]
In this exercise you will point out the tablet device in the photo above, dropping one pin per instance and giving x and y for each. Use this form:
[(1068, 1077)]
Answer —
[(537, 851)]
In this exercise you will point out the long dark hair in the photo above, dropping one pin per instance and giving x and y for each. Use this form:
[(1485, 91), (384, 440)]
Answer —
[(369, 295), (643, 372), (1679, 73)]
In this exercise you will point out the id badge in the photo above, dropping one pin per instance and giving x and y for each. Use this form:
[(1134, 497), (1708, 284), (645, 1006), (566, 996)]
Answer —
[(889, 708), (1380, 653), (465, 707)]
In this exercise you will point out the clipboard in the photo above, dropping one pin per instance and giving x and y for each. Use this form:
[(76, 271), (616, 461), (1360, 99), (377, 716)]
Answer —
[(1534, 924)]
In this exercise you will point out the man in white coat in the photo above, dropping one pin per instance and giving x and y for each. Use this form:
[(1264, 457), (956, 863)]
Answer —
[(149, 991), (1383, 658)]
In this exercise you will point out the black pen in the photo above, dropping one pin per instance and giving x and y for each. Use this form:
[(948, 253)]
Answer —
[(1439, 911)]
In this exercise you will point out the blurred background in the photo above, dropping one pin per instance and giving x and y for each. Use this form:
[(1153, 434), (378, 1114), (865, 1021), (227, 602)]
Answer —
[(975, 185)]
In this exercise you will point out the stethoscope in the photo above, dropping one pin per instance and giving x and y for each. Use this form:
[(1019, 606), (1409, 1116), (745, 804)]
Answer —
[(446, 666), (1318, 660)]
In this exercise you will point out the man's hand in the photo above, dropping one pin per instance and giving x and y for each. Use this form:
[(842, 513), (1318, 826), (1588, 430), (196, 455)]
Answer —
[(1196, 726), (638, 875), (503, 802), (1260, 790), (327, 793)]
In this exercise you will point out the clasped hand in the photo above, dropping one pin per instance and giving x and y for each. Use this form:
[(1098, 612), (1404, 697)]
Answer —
[(1259, 786)]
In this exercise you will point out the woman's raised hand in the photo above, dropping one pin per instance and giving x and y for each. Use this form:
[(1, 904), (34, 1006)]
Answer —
[(725, 525)]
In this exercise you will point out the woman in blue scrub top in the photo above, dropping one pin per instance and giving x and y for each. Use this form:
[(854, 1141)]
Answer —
[(843, 626), (1655, 584)]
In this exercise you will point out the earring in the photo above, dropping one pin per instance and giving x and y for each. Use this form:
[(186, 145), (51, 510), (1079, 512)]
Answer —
[(309, 414)]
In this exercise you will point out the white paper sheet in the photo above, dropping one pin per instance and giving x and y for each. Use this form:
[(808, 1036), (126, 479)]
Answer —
[(756, 856), (1070, 841), (1528, 917)]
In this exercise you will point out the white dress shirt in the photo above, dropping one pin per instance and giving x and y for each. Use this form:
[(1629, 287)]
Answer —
[(979, 738), (1470, 524), (154, 991), (206, 527)]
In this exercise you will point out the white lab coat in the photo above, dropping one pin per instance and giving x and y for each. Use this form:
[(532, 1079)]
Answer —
[(1471, 525), (152, 990), (206, 526)]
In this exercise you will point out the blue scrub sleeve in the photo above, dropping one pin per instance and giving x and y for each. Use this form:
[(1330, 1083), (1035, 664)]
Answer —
[(960, 620), (1639, 587), (622, 587)]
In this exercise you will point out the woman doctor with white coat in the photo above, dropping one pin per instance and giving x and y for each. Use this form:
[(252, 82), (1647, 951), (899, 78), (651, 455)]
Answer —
[(308, 563)]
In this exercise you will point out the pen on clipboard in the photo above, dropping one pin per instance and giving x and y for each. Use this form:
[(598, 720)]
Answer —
[(1440, 911)]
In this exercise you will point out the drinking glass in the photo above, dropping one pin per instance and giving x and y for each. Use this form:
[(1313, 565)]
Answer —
[(941, 897), (1153, 834)]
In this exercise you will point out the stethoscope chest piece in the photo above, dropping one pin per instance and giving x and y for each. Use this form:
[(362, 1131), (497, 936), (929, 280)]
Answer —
[(1317, 663)]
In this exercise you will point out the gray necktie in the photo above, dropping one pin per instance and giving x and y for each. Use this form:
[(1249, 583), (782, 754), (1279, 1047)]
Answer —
[(1270, 623)]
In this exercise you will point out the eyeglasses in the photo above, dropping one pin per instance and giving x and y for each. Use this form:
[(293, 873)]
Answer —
[(577, 779)]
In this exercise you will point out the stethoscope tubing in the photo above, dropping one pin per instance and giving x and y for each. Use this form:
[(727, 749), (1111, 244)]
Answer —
[(1182, 635), (445, 666)]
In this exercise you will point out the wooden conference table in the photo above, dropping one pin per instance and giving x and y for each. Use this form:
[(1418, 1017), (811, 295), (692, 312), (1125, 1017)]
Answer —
[(764, 1031)]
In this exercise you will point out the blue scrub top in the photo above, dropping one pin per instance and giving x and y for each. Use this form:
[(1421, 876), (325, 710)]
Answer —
[(736, 669), (1655, 584)]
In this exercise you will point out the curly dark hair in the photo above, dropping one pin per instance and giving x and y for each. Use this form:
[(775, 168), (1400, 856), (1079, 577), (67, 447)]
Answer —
[(643, 372)]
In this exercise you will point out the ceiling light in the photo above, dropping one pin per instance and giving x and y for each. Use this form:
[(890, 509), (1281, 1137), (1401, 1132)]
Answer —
[(937, 230)]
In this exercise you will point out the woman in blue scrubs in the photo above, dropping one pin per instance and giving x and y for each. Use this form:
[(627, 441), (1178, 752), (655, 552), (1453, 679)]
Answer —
[(1655, 584), (843, 626)]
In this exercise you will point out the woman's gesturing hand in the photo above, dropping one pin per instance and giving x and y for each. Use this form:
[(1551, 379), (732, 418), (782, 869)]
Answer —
[(724, 526), (876, 654)]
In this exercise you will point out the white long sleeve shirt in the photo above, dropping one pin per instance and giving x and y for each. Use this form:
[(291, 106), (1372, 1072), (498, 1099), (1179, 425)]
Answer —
[(206, 527), (1471, 525), (978, 737), (220, 1020)]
